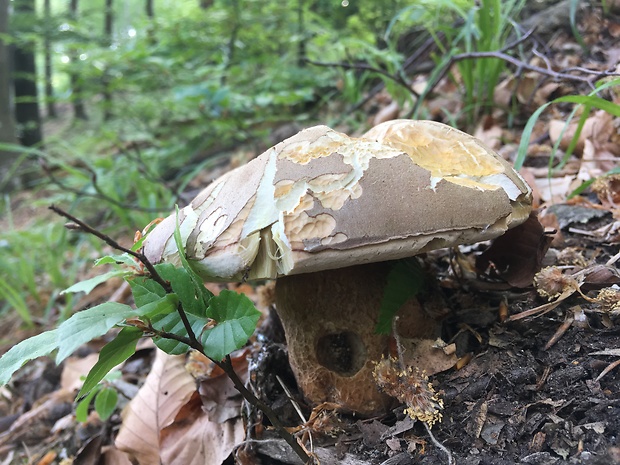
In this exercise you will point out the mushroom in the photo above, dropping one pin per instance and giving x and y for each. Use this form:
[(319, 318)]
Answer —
[(322, 213)]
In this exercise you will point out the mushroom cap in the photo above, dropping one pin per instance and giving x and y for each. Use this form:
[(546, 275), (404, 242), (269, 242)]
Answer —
[(323, 200)]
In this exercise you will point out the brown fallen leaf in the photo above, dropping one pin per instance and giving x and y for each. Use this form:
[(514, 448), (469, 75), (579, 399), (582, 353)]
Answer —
[(516, 256), (193, 439), (166, 390)]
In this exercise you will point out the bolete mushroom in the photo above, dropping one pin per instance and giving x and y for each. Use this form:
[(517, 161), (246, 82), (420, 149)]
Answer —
[(322, 212)]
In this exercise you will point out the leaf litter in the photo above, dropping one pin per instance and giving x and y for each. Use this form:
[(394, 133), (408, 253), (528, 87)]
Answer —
[(518, 399)]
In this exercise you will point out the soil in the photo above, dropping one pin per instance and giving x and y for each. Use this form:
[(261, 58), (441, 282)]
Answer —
[(515, 402)]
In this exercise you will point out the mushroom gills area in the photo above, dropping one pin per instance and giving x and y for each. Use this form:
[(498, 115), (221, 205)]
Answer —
[(329, 318)]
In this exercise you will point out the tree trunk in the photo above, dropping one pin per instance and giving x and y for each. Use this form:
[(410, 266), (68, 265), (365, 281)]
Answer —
[(25, 81), (150, 13), (76, 86), (7, 125), (150, 10), (301, 31), (107, 33), (47, 46)]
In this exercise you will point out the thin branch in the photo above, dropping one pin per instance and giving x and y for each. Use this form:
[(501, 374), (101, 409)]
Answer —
[(398, 79), (99, 193), (521, 64), (226, 365), (111, 242), (191, 340)]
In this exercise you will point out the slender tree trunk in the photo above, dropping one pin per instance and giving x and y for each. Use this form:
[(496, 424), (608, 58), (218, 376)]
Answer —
[(150, 13), (301, 32), (47, 45), (107, 32), (27, 113), (150, 10), (76, 86), (7, 125), (235, 22)]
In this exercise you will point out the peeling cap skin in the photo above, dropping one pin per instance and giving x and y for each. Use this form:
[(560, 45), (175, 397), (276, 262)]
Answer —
[(322, 211), (322, 200)]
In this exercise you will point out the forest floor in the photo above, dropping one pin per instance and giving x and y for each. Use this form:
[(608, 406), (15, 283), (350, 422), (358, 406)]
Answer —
[(540, 388)]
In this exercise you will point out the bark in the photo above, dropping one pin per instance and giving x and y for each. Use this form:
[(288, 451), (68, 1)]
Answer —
[(47, 50), (150, 10), (107, 32), (7, 125), (79, 110), (301, 31), (27, 113)]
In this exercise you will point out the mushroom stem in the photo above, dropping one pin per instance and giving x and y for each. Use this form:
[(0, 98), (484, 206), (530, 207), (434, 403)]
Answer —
[(329, 319)]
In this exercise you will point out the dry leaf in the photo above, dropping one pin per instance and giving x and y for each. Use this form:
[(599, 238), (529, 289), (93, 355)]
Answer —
[(166, 390), (192, 439), (516, 256), (112, 456), (220, 399), (74, 368)]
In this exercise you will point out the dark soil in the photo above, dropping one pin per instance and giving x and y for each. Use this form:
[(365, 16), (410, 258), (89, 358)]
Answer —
[(514, 402)]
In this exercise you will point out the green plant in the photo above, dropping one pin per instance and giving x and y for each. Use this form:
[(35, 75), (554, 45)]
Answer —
[(588, 102), (105, 397), (462, 27), (34, 265), (171, 305)]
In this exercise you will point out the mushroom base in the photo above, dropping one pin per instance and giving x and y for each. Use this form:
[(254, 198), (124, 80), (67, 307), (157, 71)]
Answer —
[(329, 318)]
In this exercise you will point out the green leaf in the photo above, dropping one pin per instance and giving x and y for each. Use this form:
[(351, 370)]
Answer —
[(163, 306), (205, 294), (145, 291), (185, 288), (81, 411), (88, 324), (405, 280), (125, 259), (236, 319), (34, 347), (172, 323), (90, 284), (113, 353), (105, 402)]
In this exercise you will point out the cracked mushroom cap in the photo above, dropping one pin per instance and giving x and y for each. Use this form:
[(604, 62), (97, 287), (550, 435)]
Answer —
[(323, 200)]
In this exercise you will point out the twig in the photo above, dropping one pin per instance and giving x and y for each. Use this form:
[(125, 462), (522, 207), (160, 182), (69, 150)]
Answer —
[(99, 194), (111, 242), (191, 340), (521, 64), (226, 365), (439, 445), (398, 79)]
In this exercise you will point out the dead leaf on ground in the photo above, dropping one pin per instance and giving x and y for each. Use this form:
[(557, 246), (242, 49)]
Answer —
[(166, 390), (516, 256), (193, 439), (74, 369)]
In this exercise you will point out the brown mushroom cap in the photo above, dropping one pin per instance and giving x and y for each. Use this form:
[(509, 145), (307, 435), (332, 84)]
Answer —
[(322, 200)]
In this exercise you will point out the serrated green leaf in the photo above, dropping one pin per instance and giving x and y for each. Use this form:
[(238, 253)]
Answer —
[(205, 294), (125, 259), (89, 284), (172, 323), (163, 306), (236, 319), (81, 410), (88, 324), (105, 402), (34, 347), (185, 288), (113, 353), (405, 280), (145, 291)]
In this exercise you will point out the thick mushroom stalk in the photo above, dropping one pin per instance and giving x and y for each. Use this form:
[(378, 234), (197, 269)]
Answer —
[(321, 200)]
